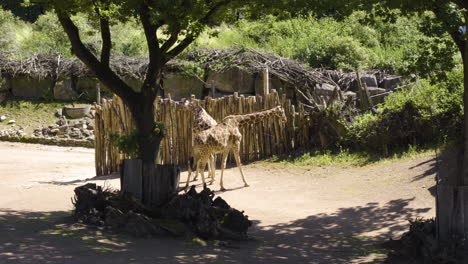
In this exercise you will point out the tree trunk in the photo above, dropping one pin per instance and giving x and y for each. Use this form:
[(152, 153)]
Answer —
[(452, 189), (463, 179)]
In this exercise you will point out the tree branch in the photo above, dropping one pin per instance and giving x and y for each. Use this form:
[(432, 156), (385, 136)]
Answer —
[(106, 41), (155, 63), (170, 42), (190, 38), (103, 72), (455, 33)]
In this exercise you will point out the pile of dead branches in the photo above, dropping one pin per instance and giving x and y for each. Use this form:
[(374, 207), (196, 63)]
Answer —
[(192, 213), (290, 71)]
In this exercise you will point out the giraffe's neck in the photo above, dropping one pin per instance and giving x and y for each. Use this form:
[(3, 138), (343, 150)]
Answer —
[(242, 120), (202, 120)]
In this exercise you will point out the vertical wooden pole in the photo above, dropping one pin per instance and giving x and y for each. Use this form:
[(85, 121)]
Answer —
[(266, 82), (98, 93), (213, 89)]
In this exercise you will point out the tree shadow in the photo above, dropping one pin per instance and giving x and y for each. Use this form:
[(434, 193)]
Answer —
[(348, 235), (430, 171), (341, 237), (79, 181)]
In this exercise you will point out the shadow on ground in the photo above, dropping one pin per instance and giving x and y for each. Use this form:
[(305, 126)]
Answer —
[(80, 181), (341, 237)]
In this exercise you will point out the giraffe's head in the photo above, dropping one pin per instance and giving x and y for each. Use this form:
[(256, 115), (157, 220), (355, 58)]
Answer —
[(279, 111)]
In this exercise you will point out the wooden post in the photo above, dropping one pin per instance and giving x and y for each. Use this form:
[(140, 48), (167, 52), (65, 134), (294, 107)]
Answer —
[(266, 82), (213, 89), (366, 101), (98, 93)]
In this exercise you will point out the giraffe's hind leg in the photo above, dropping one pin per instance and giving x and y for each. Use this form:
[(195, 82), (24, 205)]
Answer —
[(212, 168), (239, 164), (201, 169), (223, 166)]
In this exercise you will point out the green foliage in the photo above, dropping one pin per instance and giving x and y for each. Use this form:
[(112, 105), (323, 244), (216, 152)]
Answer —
[(129, 144), (349, 158), (422, 114), (400, 46), (24, 12)]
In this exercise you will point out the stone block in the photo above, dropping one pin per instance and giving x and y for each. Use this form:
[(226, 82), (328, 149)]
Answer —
[(233, 80), (181, 86), (391, 82), (32, 88), (370, 80), (65, 90)]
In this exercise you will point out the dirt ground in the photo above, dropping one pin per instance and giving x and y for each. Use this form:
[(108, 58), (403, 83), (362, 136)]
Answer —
[(301, 214)]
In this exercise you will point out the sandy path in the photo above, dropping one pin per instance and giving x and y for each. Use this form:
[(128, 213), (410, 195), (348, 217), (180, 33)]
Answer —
[(301, 215)]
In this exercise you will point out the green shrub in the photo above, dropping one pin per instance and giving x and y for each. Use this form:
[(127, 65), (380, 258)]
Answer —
[(398, 47), (422, 114)]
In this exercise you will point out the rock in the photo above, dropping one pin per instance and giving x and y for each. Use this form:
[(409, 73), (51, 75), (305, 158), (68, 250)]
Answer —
[(10, 122), (375, 90), (91, 126), (4, 84), (325, 90), (233, 80), (61, 122), (54, 131), (75, 134), (369, 79), (80, 125), (391, 83), (58, 112), (350, 94), (85, 132), (182, 86), (64, 90), (34, 88), (2, 118)]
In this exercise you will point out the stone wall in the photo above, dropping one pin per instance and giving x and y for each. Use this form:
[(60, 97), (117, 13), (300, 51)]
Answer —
[(180, 85)]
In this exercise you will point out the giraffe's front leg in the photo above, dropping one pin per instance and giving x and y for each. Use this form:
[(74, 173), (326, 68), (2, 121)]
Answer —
[(238, 161)]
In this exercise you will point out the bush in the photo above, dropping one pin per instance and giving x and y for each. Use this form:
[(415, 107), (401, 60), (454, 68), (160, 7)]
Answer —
[(398, 47), (422, 114)]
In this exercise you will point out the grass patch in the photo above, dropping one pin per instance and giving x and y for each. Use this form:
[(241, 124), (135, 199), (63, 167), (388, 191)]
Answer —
[(29, 114), (347, 158)]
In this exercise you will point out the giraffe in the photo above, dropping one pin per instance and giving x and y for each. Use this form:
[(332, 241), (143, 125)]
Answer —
[(226, 137), (202, 121)]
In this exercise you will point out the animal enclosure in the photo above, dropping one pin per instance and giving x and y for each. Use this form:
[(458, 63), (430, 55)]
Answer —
[(261, 140)]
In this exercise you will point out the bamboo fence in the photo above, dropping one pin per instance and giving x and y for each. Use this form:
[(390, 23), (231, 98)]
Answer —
[(261, 140)]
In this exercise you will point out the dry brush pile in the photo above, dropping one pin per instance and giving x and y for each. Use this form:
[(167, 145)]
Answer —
[(188, 214)]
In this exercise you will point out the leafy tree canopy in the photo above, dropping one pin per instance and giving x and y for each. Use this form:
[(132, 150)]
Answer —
[(25, 12)]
